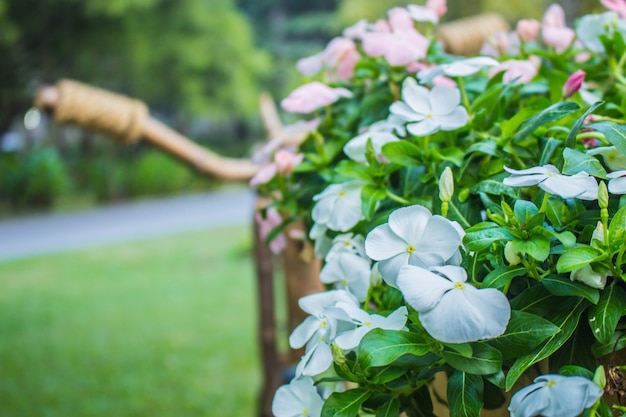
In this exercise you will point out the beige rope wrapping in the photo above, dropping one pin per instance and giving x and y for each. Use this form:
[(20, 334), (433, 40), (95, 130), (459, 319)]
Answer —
[(97, 109), (466, 36)]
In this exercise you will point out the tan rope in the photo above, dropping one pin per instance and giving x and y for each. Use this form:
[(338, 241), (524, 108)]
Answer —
[(97, 109), (466, 36)]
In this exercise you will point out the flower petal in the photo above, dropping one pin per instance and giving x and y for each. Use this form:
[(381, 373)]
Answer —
[(443, 100), (454, 120), (422, 289), (382, 243), (303, 333), (423, 128), (417, 98), (409, 223)]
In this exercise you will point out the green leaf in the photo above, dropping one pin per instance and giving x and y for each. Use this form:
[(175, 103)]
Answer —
[(550, 145), (570, 142), (615, 133), (479, 240), (391, 408), (524, 211), (552, 113), (604, 316), (561, 286), (450, 154), (509, 126), (465, 394), (494, 186), (485, 360), (576, 161), (345, 404), (488, 147), (403, 153), (353, 169), (577, 257), (383, 374), (566, 318), (502, 276), (524, 332), (617, 230), (538, 247), (371, 196), (381, 347), (617, 342)]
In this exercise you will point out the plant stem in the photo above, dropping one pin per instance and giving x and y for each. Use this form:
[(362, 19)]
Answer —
[(397, 198), (461, 84)]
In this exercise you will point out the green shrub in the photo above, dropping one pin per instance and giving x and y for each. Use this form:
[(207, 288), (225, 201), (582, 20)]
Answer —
[(34, 179), (156, 173)]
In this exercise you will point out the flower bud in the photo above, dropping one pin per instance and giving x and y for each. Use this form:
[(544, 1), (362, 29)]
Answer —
[(528, 29), (588, 276), (511, 255), (446, 185), (573, 83), (603, 195), (598, 233)]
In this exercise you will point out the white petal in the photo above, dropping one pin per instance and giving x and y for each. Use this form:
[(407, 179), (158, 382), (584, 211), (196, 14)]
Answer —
[(316, 360), (467, 315), (423, 128), (451, 272), (417, 97), (426, 76), (454, 120), (347, 211), (545, 169), (433, 252), (569, 186), (469, 66), (389, 268), (382, 243), (617, 185), (443, 100), (350, 340), (421, 288), (403, 110), (409, 223), (303, 333), (291, 400)]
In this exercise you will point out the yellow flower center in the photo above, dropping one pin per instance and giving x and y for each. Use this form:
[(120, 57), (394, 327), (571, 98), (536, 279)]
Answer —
[(342, 193), (410, 249), (429, 116), (323, 324), (459, 285), (550, 383), (305, 412), (346, 243), (344, 282)]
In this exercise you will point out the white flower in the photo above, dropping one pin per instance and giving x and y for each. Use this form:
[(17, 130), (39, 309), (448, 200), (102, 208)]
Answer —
[(555, 396), (617, 182), (413, 236), (299, 398), (588, 276), (451, 310), (422, 14), (365, 322), (549, 179), (613, 158), (460, 68), (355, 148), (338, 207), (347, 242), (428, 111), (319, 329), (349, 272), (322, 242)]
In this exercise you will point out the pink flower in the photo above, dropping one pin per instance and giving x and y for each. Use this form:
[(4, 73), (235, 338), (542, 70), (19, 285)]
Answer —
[(528, 29), (554, 31), (340, 57), (438, 6), (501, 42), (266, 225), (518, 71), (357, 30), (618, 6), (311, 96), (399, 43), (573, 83), (286, 159)]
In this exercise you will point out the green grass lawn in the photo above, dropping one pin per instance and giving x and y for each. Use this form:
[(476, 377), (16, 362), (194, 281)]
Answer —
[(165, 327)]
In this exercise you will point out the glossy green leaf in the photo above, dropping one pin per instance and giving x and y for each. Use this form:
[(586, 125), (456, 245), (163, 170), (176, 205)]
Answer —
[(502, 276), (562, 286), (617, 229), (496, 187), (381, 347), (524, 332), (552, 113), (615, 133), (345, 404), (570, 142), (617, 342), (481, 239), (604, 316), (576, 161), (465, 394), (538, 247), (485, 360), (371, 196), (566, 319), (402, 153), (577, 257), (549, 146), (391, 408), (353, 169)]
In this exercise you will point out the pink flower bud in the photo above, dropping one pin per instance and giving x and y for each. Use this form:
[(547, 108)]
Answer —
[(528, 29), (285, 160), (438, 6), (573, 83), (309, 97)]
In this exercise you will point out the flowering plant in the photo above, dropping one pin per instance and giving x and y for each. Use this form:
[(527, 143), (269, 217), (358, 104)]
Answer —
[(470, 215)]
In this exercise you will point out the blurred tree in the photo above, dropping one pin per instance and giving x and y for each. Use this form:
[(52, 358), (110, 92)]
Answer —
[(194, 56)]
